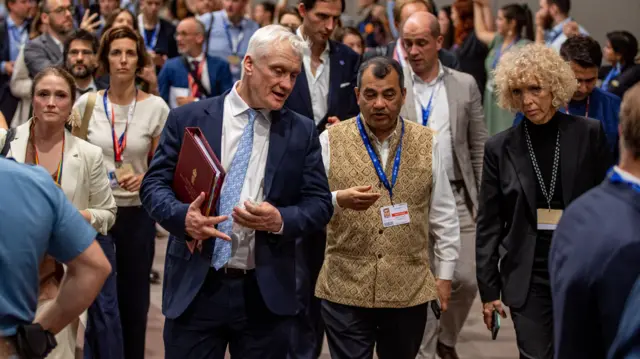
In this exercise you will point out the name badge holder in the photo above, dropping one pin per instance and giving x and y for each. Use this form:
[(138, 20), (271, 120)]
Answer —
[(234, 59), (396, 214), (119, 143), (547, 218)]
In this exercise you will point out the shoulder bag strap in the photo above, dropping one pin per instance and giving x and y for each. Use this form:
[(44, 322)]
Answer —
[(194, 74), (83, 130), (11, 133)]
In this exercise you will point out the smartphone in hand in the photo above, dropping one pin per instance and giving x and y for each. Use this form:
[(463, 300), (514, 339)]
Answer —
[(495, 324), (435, 307)]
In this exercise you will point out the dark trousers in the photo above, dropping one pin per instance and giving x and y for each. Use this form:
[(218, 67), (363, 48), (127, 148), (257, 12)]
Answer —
[(134, 234), (353, 332), (103, 336), (228, 310), (534, 323)]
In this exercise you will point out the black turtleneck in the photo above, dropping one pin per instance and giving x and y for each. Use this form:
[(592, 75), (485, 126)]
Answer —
[(543, 140)]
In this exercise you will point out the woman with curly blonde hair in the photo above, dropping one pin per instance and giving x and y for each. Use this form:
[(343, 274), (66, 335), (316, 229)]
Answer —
[(531, 173)]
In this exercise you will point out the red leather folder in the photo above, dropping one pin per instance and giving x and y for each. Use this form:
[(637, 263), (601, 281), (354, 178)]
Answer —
[(198, 170)]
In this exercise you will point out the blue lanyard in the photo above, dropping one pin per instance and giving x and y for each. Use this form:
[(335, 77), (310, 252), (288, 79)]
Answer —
[(615, 177), (615, 72), (235, 50), (149, 44), (426, 111), (376, 161), (498, 54)]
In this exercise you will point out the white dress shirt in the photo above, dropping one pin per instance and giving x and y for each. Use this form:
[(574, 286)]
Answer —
[(443, 214), (204, 77), (235, 119), (399, 54), (439, 119), (318, 84)]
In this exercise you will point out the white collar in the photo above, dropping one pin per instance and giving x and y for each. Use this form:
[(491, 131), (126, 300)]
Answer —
[(627, 176), (198, 58), (92, 85), (238, 106), (417, 79)]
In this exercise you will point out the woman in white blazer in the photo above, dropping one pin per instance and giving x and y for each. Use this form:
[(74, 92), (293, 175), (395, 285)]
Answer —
[(75, 165)]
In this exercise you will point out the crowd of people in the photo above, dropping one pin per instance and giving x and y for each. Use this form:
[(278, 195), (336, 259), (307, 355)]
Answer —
[(382, 170)]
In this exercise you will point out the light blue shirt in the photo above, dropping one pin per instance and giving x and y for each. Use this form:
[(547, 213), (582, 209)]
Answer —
[(227, 40), (555, 37), (35, 218), (18, 36)]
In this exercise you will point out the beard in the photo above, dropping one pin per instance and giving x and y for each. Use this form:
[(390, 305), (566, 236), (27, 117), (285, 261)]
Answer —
[(60, 29), (80, 71)]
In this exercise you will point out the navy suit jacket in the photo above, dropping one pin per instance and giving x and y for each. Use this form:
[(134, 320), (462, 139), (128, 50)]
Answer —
[(627, 343), (174, 73), (594, 263), (297, 186), (343, 71)]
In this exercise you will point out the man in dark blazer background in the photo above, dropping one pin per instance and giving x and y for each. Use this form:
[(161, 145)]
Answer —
[(243, 293), (158, 34), (594, 258), (401, 12), (194, 75), (325, 92)]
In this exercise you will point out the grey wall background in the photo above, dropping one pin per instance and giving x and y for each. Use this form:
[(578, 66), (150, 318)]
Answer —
[(597, 16)]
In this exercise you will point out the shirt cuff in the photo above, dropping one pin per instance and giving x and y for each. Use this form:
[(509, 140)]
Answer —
[(334, 201), (281, 230), (445, 270)]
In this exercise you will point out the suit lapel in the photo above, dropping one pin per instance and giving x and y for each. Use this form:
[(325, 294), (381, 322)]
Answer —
[(20, 142), (303, 90), (408, 111), (335, 70), (570, 147), (213, 124), (53, 48), (519, 157), (70, 166), (278, 143), (452, 97)]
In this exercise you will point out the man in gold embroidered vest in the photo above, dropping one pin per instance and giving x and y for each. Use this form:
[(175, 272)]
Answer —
[(390, 193)]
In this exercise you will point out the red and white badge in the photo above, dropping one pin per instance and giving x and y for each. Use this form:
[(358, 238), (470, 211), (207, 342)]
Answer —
[(395, 215)]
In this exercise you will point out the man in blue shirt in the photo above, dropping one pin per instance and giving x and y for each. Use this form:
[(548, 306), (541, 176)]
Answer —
[(551, 20), (37, 219), (593, 261), (229, 32)]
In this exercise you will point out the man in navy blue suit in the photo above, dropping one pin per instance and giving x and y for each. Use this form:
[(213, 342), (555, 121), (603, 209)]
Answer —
[(325, 89), (324, 92), (193, 76), (240, 288), (593, 262)]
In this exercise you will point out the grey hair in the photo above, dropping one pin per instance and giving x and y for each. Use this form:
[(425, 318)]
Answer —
[(382, 67), (271, 38)]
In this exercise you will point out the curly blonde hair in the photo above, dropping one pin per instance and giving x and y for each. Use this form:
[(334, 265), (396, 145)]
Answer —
[(534, 64)]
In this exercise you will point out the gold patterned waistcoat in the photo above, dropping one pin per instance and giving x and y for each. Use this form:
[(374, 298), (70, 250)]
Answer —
[(367, 265)]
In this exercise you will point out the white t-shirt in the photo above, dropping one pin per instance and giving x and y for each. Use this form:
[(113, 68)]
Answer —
[(147, 123)]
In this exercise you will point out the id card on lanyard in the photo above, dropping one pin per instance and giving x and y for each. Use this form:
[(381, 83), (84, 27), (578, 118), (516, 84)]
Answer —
[(397, 214), (234, 59), (149, 44), (119, 143)]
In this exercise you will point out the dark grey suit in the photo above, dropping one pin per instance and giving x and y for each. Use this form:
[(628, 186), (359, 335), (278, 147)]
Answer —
[(41, 53)]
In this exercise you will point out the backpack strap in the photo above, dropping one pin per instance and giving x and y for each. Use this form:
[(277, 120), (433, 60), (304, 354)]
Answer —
[(11, 133), (83, 130)]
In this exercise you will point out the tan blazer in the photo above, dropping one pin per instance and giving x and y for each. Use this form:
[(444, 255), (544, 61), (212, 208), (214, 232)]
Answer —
[(84, 177), (468, 129)]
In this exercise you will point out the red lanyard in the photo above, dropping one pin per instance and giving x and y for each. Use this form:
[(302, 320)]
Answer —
[(119, 144), (587, 112), (192, 83), (58, 178)]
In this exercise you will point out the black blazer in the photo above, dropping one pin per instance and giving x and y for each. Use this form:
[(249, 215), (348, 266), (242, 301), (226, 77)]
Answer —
[(507, 216), (343, 71), (166, 43), (446, 57), (471, 55)]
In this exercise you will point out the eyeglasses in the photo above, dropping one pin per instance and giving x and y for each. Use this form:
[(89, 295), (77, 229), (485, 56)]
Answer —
[(62, 10), (184, 34)]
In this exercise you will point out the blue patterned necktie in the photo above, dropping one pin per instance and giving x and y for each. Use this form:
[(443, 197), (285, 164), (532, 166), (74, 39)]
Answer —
[(230, 194)]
